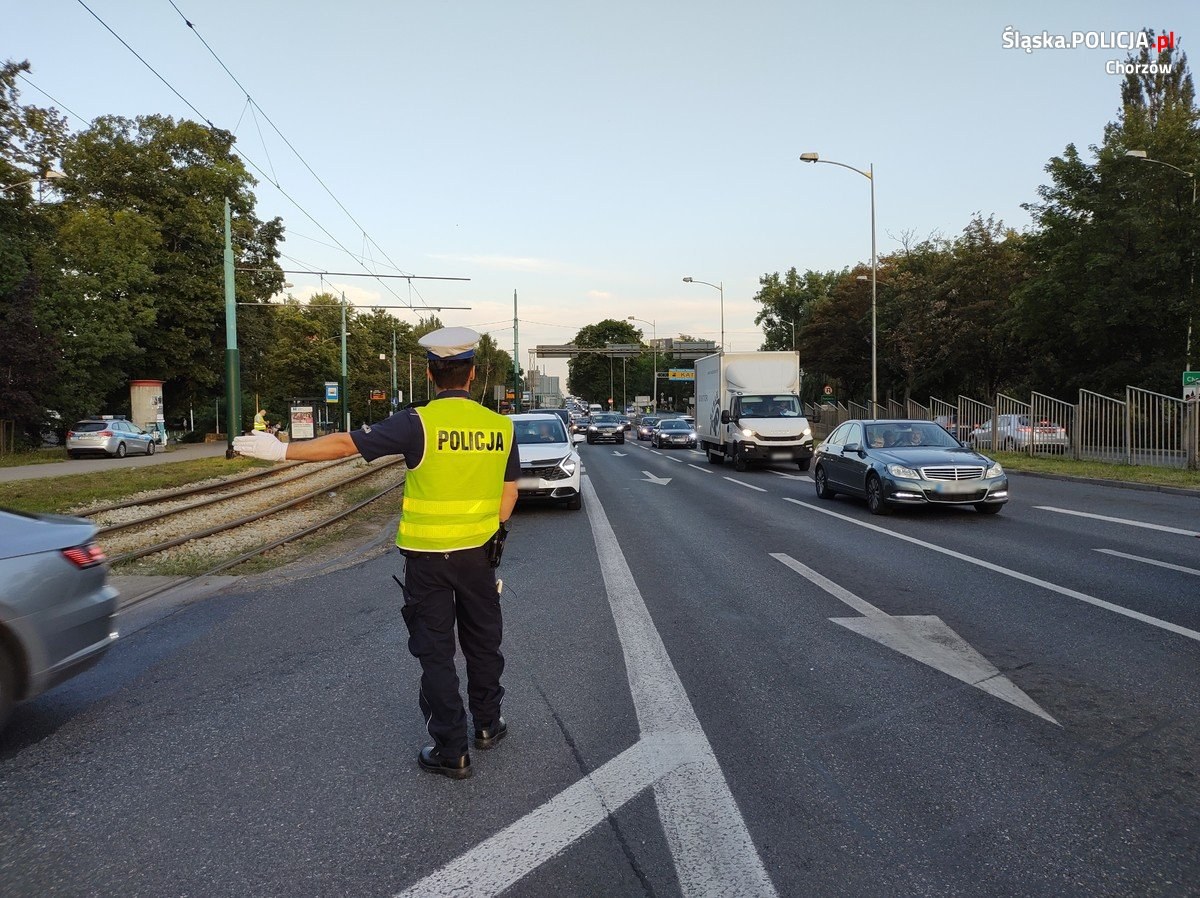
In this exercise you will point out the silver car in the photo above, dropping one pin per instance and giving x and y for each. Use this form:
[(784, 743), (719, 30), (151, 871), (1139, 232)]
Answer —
[(114, 437), (57, 613)]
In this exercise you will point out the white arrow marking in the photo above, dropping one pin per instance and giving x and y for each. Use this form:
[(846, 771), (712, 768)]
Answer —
[(1173, 567), (924, 638), (650, 478), (618, 454)]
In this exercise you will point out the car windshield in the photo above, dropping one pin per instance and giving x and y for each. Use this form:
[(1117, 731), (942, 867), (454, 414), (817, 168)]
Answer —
[(675, 425), (768, 406), (909, 435), (543, 431), (607, 418), (649, 422)]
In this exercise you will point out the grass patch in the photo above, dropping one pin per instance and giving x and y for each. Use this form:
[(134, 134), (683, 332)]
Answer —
[(61, 494), (1050, 464), (32, 457)]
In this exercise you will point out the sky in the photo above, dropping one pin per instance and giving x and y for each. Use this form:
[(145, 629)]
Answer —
[(588, 157)]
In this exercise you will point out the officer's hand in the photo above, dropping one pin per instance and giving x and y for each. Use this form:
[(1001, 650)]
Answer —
[(260, 445)]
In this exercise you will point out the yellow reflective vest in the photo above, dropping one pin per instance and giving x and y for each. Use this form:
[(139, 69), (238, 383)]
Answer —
[(260, 423), (452, 497)]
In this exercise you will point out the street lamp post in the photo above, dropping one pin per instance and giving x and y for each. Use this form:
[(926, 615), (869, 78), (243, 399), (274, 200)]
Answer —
[(1141, 154), (48, 175), (721, 288), (869, 174), (798, 374), (654, 349)]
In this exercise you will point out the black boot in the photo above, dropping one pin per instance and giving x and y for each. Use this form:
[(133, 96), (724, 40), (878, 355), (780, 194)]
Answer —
[(431, 760), (487, 737)]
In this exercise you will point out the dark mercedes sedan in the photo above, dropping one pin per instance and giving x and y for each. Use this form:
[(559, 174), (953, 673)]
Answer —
[(892, 463)]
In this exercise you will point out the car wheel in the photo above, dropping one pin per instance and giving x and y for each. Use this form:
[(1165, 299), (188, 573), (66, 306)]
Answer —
[(575, 502), (988, 507), (714, 457), (876, 504), (150, 448), (804, 464), (121, 450), (8, 685), (739, 461), (621, 439), (822, 483)]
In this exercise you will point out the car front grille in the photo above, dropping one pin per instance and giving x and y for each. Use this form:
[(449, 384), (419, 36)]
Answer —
[(952, 472), (975, 496), (791, 439), (546, 472)]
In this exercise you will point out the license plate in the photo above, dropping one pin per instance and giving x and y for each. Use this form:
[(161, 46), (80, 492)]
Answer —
[(779, 456), (953, 488)]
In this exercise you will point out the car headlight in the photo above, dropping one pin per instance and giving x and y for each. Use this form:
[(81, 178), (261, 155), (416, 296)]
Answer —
[(568, 465), (593, 427), (747, 432), (902, 471), (995, 471), (807, 433)]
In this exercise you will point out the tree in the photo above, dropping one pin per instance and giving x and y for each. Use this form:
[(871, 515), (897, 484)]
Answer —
[(1109, 301), (590, 375)]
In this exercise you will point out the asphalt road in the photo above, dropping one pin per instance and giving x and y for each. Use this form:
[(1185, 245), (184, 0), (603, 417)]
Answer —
[(717, 685)]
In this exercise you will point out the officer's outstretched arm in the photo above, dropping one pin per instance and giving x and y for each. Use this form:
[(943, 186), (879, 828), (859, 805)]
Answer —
[(508, 499), (263, 445)]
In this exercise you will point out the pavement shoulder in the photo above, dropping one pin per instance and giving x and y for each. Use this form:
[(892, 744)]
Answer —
[(1116, 484)]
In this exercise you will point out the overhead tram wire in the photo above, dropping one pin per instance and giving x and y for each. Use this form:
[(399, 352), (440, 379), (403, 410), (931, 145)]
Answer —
[(287, 142), (250, 161)]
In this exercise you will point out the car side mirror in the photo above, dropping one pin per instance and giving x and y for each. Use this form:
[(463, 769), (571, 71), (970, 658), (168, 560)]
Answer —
[(725, 419), (577, 438), (852, 447)]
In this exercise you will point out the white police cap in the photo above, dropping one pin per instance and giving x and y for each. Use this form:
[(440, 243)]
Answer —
[(450, 343)]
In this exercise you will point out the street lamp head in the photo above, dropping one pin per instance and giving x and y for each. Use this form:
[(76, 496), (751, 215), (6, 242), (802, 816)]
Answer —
[(687, 280), (1137, 154), (52, 174), (810, 157)]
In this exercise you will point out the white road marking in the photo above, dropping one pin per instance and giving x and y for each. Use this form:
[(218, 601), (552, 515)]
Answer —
[(705, 832), (1016, 575), (705, 470), (789, 476), (655, 451), (922, 637), (1125, 521), (746, 485), (661, 481), (1155, 562), (618, 454)]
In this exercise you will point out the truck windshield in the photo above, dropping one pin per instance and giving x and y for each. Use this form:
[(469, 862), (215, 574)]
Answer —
[(766, 405)]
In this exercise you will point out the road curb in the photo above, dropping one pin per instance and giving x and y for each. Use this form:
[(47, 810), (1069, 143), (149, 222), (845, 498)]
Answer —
[(1119, 484)]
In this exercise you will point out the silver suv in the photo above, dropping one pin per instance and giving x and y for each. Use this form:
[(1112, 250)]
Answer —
[(1015, 433)]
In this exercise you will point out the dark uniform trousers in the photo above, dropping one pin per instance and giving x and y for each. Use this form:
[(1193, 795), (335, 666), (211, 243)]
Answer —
[(444, 588)]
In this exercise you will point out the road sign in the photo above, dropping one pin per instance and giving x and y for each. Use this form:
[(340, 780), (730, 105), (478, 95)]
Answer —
[(828, 391), (681, 374), (331, 391), (1191, 386), (378, 395)]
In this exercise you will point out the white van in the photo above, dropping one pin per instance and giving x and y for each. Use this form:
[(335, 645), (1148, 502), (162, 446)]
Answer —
[(595, 408)]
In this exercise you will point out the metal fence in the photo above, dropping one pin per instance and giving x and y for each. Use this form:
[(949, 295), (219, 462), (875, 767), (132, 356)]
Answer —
[(1144, 428)]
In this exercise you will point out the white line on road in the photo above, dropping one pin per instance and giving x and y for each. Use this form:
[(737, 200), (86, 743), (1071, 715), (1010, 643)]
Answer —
[(1155, 562), (1016, 575), (1126, 521), (705, 470), (746, 485), (674, 459)]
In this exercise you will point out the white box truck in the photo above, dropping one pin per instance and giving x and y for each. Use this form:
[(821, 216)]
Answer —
[(748, 409)]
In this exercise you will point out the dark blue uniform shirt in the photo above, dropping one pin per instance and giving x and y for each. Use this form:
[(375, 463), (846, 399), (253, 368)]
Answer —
[(403, 434)]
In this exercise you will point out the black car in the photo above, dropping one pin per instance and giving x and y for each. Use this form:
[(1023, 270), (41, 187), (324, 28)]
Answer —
[(892, 463), (646, 426), (606, 426), (673, 432)]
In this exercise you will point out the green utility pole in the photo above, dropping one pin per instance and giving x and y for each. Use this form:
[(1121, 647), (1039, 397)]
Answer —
[(233, 364), (345, 391), (395, 403)]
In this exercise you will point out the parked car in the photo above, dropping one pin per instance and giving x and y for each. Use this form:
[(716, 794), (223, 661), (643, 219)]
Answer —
[(902, 462), (550, 466), (673, 432), (606, 426), (57, 613), (114, 437), (1014, 433), (646, 426)]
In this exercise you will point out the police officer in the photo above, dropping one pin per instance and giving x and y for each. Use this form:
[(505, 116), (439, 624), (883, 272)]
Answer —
[(459, 491)]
